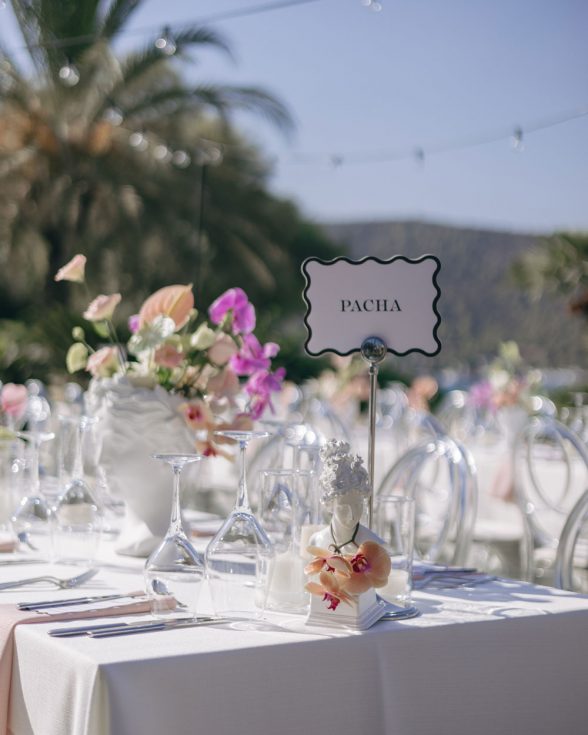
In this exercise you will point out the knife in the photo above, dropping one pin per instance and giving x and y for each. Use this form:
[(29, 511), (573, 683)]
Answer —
[(45, 604), (144, 625), (130, 628)]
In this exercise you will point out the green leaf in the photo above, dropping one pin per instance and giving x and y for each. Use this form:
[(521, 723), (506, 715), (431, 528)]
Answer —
[(76, 358)]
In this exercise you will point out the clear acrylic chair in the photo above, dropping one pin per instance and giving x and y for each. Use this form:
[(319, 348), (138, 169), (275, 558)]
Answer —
[(441, 476), (571, 561), (550, 474)]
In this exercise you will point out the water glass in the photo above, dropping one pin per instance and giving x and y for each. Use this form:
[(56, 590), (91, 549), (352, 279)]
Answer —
[(279, 508), (395, 525)]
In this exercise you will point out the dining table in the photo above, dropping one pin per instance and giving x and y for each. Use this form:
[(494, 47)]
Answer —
[(498, 656)]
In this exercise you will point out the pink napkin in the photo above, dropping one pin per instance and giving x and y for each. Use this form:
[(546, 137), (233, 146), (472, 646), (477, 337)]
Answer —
[(11, 616)]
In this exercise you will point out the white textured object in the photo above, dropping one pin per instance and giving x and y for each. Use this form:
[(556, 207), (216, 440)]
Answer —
[(135, 423), (359, 614)]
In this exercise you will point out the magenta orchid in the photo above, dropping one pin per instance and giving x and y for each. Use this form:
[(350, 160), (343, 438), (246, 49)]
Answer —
[(235, 301), (253, 356), (260, 386)]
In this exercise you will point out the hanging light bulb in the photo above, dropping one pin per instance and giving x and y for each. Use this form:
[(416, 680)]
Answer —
[(69, 75), (516, 140), (181, 159), (138, 141), (162, 153), (165, 43), (114, 116), (372, 5)]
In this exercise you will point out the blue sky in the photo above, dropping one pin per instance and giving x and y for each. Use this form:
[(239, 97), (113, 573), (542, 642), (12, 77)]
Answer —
[(420, 73)]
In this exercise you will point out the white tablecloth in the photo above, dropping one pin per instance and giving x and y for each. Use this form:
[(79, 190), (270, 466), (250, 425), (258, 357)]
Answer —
[(504, 657)]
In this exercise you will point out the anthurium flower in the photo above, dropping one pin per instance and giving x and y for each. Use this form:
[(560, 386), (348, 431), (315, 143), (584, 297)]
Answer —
[(243, 313), (176, 302), (14, 400), (103, 363), (102, 308), (223, 349), (73, 271), (371, 568), (168, 356)]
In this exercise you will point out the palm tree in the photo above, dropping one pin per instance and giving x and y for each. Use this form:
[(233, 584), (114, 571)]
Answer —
[(123, 160), (558, 264)]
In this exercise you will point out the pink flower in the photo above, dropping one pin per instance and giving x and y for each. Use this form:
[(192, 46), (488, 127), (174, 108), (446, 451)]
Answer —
[(197, 414), (134, 323), (103, 363), (253, 356), (260, 386), (223, 385), (14, 400), (73, 271), (102, 308), (222, 350), (236, 301), (176, 302), (167, 356)]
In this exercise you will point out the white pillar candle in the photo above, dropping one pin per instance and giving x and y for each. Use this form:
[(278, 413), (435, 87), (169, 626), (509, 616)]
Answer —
[(397, 588), (286, 582), (306, 532)]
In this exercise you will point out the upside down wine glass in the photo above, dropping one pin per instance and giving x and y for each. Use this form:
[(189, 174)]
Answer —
[(32, 521), (175, 568), (238, 558)]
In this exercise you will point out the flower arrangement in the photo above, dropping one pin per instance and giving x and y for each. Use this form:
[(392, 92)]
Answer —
[(211, 362), (343, 575), (507, 383)]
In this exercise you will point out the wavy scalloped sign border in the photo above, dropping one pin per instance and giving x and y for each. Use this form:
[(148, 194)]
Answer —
[(350, 300)]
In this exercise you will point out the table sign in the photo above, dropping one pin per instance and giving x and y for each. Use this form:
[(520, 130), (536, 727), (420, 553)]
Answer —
[(372, 306)]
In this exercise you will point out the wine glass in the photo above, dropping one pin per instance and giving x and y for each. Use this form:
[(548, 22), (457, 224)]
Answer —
[(77, 515), (175, 567), (33, 521), (238, 558)]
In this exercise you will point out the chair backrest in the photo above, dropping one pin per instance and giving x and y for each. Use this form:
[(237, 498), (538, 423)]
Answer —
[(571, 567), (550, 474), (441, 476)]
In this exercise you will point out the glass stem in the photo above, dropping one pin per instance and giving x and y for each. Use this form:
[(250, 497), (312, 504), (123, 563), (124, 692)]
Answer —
[(176, 513), (242, 497), (35, 479), (78, 468)]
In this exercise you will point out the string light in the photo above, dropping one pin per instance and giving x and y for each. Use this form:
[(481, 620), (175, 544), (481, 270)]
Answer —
[(162, 153), (181, 159), (516, 140), (418, 152), (165, 43), (138, 141), (114, 116), (372, 5), (69, 75)]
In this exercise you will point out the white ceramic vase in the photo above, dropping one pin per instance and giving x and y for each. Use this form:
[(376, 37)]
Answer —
[(135, 423)]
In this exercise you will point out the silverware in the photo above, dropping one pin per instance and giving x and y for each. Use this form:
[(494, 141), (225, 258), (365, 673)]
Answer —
[(143, 626), (130, 628), (63, 584), (23, 537), (11, 562), (46, 604)]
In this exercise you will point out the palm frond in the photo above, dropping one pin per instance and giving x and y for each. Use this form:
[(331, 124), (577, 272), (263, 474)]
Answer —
[(116, 17)]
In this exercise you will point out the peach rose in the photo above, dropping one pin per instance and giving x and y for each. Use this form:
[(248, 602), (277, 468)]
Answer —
[(102, 308), (176, 302), (73, 271), (222, 350), (103, 363)]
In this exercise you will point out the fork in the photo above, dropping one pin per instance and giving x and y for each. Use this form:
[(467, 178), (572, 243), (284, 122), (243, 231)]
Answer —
[(63, 584)]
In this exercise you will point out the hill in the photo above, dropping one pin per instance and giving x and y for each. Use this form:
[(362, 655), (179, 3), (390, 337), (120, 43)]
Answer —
[(480, 304)]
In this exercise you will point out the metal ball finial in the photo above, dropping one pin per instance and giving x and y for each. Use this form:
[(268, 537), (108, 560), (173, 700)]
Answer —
[(373, 349)]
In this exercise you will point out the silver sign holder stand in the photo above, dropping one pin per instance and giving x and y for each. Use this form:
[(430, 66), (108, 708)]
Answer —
[(373, 351)]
